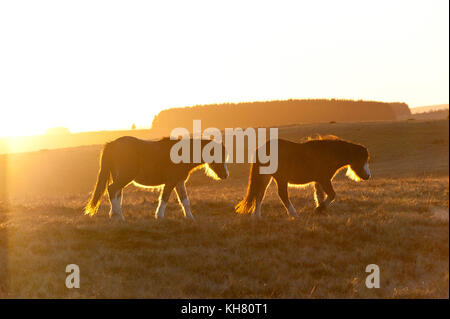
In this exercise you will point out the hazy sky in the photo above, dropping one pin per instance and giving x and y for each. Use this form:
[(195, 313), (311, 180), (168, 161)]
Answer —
[(92, 65)]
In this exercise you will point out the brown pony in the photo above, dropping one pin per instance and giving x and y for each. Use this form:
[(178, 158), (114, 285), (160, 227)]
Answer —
[(147, 163), (314, 161)]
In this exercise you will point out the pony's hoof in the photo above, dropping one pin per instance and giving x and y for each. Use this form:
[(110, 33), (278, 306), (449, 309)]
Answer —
[(190, 218), (159, 217), (293, 215)]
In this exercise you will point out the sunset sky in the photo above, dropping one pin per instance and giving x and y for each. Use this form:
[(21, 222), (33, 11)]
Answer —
[(94, 65)]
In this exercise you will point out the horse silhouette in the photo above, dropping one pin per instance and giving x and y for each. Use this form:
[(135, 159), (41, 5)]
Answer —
[(314, 161), (147, 163)]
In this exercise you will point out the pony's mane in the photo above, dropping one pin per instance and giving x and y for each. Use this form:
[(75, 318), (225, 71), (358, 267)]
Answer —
[(319, 137), (167, 138), (329, 138)]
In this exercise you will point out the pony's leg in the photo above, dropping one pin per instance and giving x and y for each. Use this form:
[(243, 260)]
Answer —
[(283, 194), (163, 199), (261, 192), (331, 195), (183, 199), (319, 194), (257, 211), (115, 198)]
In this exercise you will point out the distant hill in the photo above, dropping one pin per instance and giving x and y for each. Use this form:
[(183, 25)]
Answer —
[(430, 115), (422, 109), (276, 113)]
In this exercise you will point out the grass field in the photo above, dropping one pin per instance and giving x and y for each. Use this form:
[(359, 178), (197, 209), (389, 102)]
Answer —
[(398, 220)]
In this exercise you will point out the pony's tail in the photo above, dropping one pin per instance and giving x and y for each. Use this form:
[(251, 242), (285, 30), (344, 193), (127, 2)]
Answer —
[(255, 186), (103, 178)]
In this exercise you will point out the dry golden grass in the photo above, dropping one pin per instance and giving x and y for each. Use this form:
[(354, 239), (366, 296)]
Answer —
[(398, 220)]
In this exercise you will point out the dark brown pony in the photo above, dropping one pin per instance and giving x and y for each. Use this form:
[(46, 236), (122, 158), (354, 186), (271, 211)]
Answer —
[(147, 163), (315, 161)]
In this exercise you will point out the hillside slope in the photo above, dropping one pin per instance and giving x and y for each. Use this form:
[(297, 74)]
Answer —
[(54, 141)]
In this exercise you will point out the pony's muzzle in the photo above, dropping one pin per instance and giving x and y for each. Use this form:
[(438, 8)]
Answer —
[(224, 176)]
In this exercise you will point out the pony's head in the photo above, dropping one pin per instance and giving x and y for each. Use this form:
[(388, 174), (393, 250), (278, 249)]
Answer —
[(217, 168), (358, 167)]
